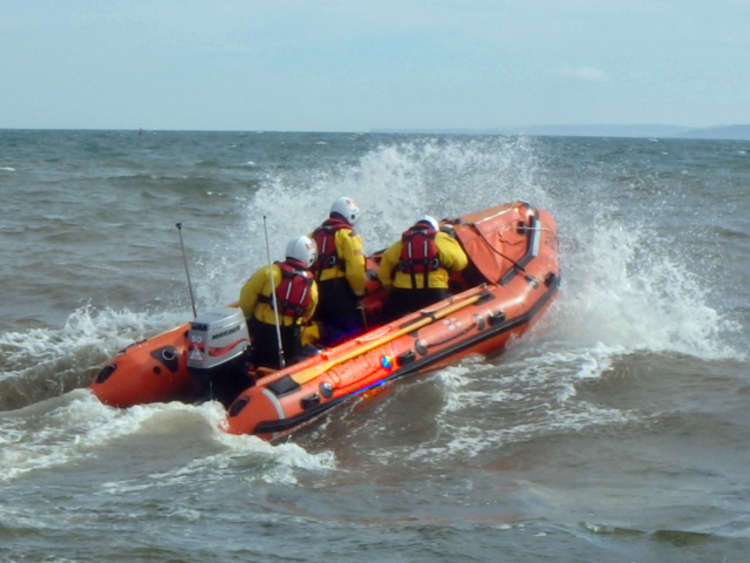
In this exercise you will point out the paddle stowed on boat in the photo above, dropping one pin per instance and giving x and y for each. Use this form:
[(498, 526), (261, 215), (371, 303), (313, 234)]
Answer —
[(512, 277)]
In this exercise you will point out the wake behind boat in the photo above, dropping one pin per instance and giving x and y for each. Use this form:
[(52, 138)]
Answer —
[(513, 276)]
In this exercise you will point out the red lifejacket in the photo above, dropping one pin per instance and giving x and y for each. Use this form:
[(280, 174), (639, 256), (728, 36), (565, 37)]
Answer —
[(293, 292), (325, 238), (419, 253)]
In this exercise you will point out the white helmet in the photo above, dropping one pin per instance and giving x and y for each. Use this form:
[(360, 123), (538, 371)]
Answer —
[(302, 249), (347, 208), (430, 220)]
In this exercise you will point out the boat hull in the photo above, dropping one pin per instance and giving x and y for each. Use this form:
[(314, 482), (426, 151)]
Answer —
[(478, 328)]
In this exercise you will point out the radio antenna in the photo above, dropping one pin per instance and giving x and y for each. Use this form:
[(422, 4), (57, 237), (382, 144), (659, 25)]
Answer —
[(187, 272)]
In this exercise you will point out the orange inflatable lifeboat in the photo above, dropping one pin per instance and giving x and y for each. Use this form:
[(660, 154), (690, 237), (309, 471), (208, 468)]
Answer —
[(513, 276)]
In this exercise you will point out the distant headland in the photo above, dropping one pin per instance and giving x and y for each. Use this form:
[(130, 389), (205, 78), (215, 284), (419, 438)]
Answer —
[(736, 132)]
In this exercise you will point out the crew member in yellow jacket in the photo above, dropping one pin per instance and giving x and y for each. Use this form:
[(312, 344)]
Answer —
[(340, 273), (417, 268), (296, 299)]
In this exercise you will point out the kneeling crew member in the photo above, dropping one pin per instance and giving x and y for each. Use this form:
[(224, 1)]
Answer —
[(417, 268), (296, 298), (340, 273)]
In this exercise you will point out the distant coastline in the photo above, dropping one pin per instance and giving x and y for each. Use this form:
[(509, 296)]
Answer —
[(642, 131), (728, 132)]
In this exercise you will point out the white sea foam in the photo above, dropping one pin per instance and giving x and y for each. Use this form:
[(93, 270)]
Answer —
[(7, 168), (270, 463), (76, 426), (471, 440), (457, 383), (87, 333), (54, 432), (537, 378), (532, 385)]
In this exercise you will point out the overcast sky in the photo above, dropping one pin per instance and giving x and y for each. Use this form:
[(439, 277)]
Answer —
[(351, 65)]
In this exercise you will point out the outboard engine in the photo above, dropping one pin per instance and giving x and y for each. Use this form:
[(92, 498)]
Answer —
[(218, 354)]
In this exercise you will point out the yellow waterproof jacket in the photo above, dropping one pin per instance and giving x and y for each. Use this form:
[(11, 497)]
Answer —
[(349, 251), (450, 254), (262, 309)]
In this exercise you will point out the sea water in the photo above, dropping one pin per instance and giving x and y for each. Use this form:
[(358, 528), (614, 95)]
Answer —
[(617, 429)]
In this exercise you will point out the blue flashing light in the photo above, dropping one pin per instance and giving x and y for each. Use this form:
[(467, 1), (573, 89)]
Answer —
[(377, 383), (386, 363)]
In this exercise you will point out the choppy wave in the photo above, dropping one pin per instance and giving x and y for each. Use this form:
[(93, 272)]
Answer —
[(624, 287), (39, 363), (521, 400), (75, 427)]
